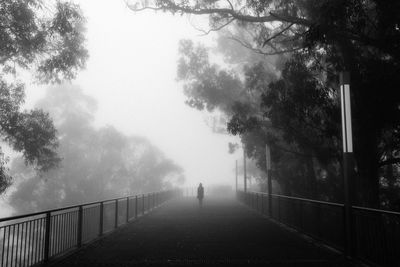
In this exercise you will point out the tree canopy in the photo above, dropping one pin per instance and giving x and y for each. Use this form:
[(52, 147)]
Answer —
[(46, 40), (98, 163), (294, 106)]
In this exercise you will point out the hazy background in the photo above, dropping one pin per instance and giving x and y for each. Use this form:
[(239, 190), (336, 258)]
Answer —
[(131, 74)]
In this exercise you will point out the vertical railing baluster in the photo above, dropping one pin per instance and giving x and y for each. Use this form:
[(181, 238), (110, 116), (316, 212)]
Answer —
[(80, 222), (127, 209), (30, 243), (12, 244), (25, 242), (136, 207), (116, 214), (47, 237), (143, 204), (101, 219), (3, 247)]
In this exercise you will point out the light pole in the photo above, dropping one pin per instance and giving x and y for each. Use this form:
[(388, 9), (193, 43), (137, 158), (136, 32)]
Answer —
[(236, 176), (244, 169), (269, 178), (348, 158)]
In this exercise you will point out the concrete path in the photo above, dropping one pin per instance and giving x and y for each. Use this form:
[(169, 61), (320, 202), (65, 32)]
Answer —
[(221, 233)]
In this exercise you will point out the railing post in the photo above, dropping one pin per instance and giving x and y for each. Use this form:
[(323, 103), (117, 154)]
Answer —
[(116, 214), (262, 203), (142, 204), (269, 194), (127, 209), (136, 207), (47, 237), (80, 224), (101, 222)]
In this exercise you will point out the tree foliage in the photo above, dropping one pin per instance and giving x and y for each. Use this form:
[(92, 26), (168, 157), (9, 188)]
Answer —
[(98, 163), (297, 111), (45, 40)]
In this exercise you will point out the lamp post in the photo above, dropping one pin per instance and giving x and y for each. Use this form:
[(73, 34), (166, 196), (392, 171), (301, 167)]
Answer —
[(244, 169), (269, 178), (348, 159), (236, 176)]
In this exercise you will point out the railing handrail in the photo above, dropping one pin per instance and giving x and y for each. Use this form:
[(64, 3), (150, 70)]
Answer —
[(376, 210), (11, 218), (329, 203), (302, 199)]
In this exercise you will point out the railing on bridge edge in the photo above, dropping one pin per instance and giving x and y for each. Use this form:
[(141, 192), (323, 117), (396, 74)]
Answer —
[(376, 233), (35, 238)]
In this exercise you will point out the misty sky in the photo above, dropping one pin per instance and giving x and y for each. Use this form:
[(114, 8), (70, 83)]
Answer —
[(131, 72)]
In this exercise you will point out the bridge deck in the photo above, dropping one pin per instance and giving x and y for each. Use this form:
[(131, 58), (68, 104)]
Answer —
[(222, 233)]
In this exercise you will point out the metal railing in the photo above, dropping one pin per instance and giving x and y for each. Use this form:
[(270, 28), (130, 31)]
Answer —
[(375, 233), (35, 238)]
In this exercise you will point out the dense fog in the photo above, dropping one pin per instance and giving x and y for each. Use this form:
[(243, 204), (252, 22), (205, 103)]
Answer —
[(96, 163)]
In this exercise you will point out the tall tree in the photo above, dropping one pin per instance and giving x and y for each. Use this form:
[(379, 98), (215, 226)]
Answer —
[(46, 40), (359, 36)]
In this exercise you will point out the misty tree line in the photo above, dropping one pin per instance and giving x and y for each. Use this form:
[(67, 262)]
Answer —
[(278, 85), (96, 163), (64, 159)]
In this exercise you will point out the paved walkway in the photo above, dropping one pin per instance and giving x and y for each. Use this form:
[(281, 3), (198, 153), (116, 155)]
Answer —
[(222, 233)]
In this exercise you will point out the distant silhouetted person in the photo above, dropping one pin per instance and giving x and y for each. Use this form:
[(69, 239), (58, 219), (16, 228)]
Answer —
[(200, 194)]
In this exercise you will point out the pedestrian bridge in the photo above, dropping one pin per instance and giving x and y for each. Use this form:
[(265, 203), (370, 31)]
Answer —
[(170, 229)]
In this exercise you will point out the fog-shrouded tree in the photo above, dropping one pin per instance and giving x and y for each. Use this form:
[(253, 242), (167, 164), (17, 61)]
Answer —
[(97, 163), (317, 39), (42, 39)]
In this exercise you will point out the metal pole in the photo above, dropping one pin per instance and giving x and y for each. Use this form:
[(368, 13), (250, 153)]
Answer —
[(142, 204), (236, 175), (127, 209), (116, 214), (136, 207), (348, 159), (269, 178), (244, 169), (80, 222), (101, 223)]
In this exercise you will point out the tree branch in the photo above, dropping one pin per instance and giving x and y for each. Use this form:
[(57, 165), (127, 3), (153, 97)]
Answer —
[(229, 2), (214, 29), (172, 7), (277, 34), (259, 51)]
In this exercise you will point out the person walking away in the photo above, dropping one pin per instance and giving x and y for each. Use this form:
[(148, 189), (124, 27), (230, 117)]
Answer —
[(200, 194)]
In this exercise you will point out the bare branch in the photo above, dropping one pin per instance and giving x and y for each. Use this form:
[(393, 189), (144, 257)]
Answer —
[(215, 29), (261, 52), (230, 4), (277, 34)]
